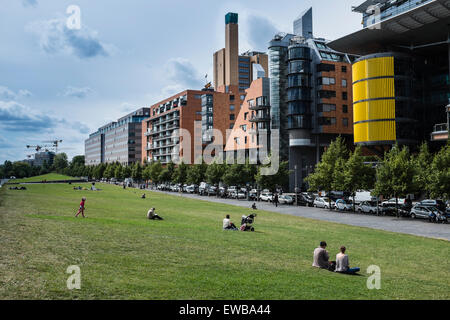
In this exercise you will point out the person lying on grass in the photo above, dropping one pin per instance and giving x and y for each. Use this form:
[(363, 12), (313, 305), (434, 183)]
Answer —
[(151, 215), (227, 224), (81, 210), (342, 264)]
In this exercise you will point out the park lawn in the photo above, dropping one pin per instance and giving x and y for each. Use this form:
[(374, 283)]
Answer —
[(47, 177), (122, 255)]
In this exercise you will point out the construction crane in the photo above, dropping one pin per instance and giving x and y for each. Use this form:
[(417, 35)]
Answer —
[(54, 143), (37, 148)]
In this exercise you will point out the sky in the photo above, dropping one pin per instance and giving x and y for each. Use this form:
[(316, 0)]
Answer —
[(63, 83)]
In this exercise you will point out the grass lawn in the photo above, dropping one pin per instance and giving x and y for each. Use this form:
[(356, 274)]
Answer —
[(48, 177), (122, 255)]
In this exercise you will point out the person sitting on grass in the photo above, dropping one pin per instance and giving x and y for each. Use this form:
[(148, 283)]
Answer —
[(254, 206), (81, 210), (143, 196), (321, 258), (342, 264), (151, 215), (227, 224)]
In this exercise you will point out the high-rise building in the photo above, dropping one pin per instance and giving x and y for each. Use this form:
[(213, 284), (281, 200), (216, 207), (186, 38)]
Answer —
[(196, 112), (231, 70), (118, 141), (303, 25), (401, 81)]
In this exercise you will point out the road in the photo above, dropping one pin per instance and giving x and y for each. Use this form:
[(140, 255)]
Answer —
[(415, 227)]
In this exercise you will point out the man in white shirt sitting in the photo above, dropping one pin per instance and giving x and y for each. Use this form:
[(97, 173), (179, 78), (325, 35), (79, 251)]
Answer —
[(227, 224), (152, 215), (342, 264)]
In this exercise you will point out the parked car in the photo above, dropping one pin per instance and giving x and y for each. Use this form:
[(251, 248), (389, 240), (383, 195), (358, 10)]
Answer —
[(423, 212), (242, 194), (367, 207), (308, 199), (321, 202), (190, 189), (390, 209), (439, 204), (401, 201), (342, 205), (266, 196), (253, 195), (211, 191), (231, 190), (286, 199), (203, 188)]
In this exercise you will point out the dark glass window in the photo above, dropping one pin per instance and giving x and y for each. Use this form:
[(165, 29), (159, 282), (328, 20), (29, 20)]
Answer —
[(325, 67), (326, 94), (344, 69), (232, 116), (344, 96)]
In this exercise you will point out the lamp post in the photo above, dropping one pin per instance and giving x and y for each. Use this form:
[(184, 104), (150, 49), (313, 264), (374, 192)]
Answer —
[(296, 185)]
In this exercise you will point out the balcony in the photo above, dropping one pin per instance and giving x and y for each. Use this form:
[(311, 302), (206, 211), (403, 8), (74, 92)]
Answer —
[(260, 118), (440, 132)]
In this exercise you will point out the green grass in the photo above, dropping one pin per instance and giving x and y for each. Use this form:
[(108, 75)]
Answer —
[(122, 255), (48, 177)]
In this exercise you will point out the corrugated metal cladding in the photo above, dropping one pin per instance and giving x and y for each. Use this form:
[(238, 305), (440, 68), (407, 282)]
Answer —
[(374, 100)]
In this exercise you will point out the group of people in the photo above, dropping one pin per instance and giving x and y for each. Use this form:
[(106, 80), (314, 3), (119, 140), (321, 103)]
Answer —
[(342, 265), (246, 223)]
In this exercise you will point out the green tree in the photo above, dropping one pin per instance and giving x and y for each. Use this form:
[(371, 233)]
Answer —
[(165, 175), (155, 171), (127, 172), (440, 174), (180, 173), (196, 173), (45, 168), (21, 169), (60, 162), (423, 173), (281, 178), (136, 172), (118, 173), (356, 174), (109, 171), (99, 170), (395, 176), (323, 176), (214, 173)]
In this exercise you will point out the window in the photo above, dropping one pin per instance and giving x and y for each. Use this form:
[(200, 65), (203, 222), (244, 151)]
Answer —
[(199, 113), (231, 107), (345, 122), (232, 97), (232, 116), (242, 96), (325, 67), (344, 69), (326, 94), (197, 96), (245, 115), (245, 139), (231, 125), (344, 95), (325, 121), (244, 127), (326, 81), (344, 83), (345, 108), (326, 107)]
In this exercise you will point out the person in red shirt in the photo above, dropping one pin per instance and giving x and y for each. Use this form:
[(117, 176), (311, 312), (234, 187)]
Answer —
[(81, 210)]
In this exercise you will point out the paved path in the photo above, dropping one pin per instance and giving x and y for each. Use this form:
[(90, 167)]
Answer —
[(416, 227)]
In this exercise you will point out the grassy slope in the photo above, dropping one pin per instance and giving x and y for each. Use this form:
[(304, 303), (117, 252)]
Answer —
[(48, 177), (124, 256)]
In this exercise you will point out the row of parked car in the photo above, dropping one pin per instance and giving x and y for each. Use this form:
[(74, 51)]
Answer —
[(432, 210)]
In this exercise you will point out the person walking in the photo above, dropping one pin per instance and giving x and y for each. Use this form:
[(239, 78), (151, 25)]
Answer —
[(275, 199), (81, 209)]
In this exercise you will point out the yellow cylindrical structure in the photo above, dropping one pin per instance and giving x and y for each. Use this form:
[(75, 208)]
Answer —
[(374, 100)]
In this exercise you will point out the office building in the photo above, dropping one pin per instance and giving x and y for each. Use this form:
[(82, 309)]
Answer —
[(118, 141), (401, 81)]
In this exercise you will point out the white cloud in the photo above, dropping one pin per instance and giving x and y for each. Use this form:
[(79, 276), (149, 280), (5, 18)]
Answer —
[(76, 92), (54, 37)]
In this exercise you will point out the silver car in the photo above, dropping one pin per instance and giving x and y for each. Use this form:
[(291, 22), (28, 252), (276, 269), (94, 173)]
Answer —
[(367, 207), (422, 212), (285, 199)]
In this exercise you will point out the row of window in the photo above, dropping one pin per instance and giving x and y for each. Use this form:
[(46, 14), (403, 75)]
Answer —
[(328, 121), (326, 107)]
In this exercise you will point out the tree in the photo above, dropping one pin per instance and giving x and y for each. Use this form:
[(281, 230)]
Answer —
[(422, 164), (99, 170), (109, 171), (118, 173), (165, 175), (180, 173), (196, 173), (136, 172), (440, 174), (8, 167), (21, 169), (60, 162), (395, 176), (155, 171), (77, 160), (356, 174), (323, 176), (127, 172), (45, 168), (281, 178), (214, 173)]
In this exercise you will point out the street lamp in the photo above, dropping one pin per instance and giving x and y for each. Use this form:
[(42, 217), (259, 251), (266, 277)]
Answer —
[(296, 185)]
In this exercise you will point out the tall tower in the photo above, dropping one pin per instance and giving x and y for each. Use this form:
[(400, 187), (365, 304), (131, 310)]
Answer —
[(231, 49), (303, 25)]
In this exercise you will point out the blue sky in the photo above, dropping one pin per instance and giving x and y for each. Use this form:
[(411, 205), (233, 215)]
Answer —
[(61, 83)]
